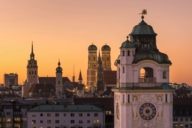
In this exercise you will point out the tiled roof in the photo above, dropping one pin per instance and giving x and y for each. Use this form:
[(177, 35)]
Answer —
[(66, 108), (110, 77), (51, 80)]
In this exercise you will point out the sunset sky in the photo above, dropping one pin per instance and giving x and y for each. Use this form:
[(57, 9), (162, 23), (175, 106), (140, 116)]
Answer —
[(63, 29)]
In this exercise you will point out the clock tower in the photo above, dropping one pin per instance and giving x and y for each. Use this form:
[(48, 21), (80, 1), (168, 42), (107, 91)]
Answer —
[(143, 97)]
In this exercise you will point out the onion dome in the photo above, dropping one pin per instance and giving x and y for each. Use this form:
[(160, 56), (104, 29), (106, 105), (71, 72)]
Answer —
[(127, 44), (106, 48), (59, 68), (143, 29), (92, 47)]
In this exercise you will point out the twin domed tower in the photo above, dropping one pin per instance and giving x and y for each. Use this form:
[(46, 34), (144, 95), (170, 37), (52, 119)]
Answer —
[(93, 64)]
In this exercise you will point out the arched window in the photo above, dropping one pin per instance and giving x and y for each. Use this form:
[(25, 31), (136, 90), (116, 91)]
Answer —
[(146, 75)]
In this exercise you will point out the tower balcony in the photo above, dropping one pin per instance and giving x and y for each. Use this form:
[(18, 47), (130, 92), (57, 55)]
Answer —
[(147, 80)]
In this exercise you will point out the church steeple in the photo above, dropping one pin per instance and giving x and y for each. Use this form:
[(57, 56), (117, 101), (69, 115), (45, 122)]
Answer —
[(100, 82), (59, 81), (32, 55), (32, 68), (80, 78)]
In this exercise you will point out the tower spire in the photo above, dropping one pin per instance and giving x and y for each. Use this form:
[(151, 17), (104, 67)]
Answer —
[(32, 53), (59, 63), (80, 77)]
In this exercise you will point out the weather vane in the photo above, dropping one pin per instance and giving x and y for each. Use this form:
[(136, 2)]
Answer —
[(144, 12)]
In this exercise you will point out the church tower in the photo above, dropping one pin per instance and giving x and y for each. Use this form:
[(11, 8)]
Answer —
[(143, 97), (32, 69), (100, 82), (92, 67), (106, 57), (59, 81), (80, 79)]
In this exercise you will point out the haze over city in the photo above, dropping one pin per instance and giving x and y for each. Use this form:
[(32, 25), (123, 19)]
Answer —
[(63, 29)]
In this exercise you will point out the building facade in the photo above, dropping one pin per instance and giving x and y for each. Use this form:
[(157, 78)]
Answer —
[(143, 97), (65, 116), (10, 80), (95, 65)]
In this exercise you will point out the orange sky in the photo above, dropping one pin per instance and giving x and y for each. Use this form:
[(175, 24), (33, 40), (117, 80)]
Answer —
[(64, 29)]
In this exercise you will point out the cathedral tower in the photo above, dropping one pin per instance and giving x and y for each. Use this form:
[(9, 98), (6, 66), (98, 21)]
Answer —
[(106, 57), (92, 67), (32, 69), (100, 82), (143, 97), (59, 81)]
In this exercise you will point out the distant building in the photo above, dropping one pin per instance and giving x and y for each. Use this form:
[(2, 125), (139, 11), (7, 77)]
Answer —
[(10, 80), (48, 87), (66, 116), (92, 68), (97, 66)]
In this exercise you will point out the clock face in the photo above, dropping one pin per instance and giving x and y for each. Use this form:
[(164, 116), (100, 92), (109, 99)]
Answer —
[(147, 111)]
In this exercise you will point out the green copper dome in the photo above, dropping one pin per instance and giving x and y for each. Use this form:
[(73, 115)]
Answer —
[(143, 29), (127, 44), (106, 48), (92, 47)]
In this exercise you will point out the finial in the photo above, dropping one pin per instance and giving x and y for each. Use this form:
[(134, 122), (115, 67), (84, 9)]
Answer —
[(144, 12), (32, 46), (59, 64), (32, 53), (127, 37)]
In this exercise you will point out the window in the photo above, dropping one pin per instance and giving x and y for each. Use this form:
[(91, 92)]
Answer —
[(57, 121), (72, 114), (56, 114), (123, 53), (64, 114), (41, 114), (41, 121), (80, 121), (33, 121), (48, 114), (95, 114), (128, 53), (48, 121), (80, 114), (88, 114), (128, 99), (72, 121), (164, 74), (33, 115), (88, 121)]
